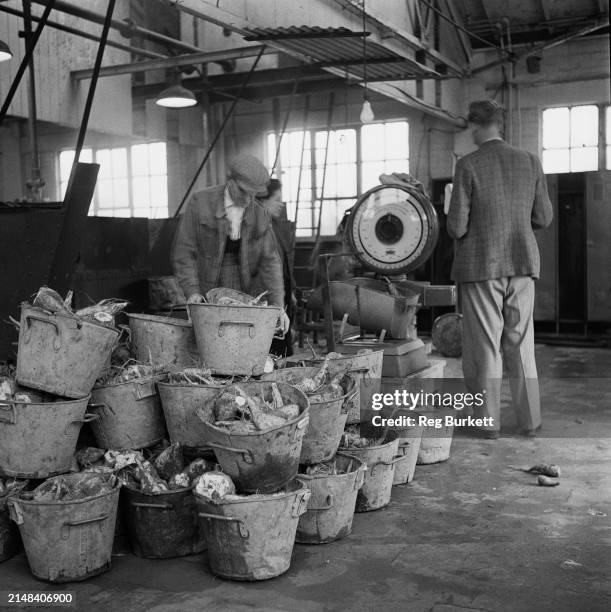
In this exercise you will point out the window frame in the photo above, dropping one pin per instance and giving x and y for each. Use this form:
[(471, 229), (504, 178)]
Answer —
[(95, 210), (315, 202), (601, 147)]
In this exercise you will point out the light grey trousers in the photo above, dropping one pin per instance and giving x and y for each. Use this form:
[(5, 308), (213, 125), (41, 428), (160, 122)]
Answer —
[(498, 329)]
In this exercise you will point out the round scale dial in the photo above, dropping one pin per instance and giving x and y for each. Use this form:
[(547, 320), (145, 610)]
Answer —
[(392, 229)]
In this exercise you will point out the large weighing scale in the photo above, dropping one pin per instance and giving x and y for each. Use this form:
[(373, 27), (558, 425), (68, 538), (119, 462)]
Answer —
[(391, 230)]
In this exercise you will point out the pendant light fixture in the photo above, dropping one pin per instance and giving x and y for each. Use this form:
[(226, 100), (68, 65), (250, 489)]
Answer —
[(5, 52), (176, 96), (366, 115)]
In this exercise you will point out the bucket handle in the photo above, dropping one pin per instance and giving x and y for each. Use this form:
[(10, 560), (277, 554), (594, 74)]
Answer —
[(15, 511), (66, 526), (360, 477), (300, 427), (57, 342), (102, 405), (246, 453), (242, 529), (145, 389), (9, 408), (372, 468), (330, 502), (86, 419), (300, 504), (164, 506), (251, 327)]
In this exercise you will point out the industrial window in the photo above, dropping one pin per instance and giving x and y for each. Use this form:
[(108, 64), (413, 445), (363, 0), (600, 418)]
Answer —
[(384, 149), (132, 181), (355, 157), (570, 139)]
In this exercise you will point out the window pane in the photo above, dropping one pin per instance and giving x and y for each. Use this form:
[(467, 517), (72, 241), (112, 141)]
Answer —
[(122, 212), (159, 191), (346, 180), (119, 162), (121, 193), (105, 194), (328, 225), (345, 146), (304, 218), (140, 161), (397, 140), (556, 161), (584, 159), (397, 165), (584, 126), (608, 122), (158, 158), (608, 157), (140, 192), (371, 173), (555, 128), (372, 141), (104, 158)]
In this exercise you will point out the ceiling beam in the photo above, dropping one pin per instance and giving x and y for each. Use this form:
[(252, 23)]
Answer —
[(554, 42), (462, 37), (177, 61)]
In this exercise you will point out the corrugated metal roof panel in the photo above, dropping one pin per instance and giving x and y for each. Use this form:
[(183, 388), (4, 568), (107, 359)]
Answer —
[(343, 49)]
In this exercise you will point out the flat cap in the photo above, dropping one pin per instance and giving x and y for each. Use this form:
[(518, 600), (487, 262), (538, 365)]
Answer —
[(250, 173), (485, 112)]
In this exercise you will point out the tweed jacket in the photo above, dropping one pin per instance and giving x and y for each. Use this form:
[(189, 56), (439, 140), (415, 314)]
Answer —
[(498, 199), (199, 247)]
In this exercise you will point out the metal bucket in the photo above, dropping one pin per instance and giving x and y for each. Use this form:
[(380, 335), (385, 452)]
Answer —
[(435, 446), (10, 540), (38, 440), (252, 538), (163, 340), (60, 354), (261, 462), (67, 540), (408, 450), (327, 419), (377, 488), (367, 372), (234, 340), (164, 525), (180, 403), (130, 415), (332, 502)]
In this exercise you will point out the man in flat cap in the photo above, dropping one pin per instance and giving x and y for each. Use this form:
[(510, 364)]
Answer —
[(225, 238), (499, 198)]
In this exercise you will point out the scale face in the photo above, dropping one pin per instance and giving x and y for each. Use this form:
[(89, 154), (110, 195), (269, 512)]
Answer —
[(392, 229)]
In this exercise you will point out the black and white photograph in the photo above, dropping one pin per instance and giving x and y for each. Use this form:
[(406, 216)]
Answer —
[(305, 305)]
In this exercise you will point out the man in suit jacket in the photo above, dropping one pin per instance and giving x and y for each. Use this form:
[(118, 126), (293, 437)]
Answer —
[(499, 198)]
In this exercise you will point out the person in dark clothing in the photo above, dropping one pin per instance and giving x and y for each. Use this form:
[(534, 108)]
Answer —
[(285, 235)]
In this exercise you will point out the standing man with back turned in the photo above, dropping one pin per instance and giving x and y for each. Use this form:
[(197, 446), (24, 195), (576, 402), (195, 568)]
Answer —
[(499, 198)]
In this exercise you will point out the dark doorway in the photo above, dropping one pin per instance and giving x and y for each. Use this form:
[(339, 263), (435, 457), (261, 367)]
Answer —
[(571, 249)]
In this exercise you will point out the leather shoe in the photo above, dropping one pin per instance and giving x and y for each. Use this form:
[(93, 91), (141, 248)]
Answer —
[(530, 433)]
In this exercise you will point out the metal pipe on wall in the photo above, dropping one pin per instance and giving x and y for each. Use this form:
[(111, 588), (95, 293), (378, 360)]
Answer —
[(35, 183)]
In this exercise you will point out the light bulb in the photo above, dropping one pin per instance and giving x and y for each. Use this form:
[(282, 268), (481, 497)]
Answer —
[(366, 115)]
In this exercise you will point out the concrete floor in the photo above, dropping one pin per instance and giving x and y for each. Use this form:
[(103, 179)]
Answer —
[(468, 534)]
